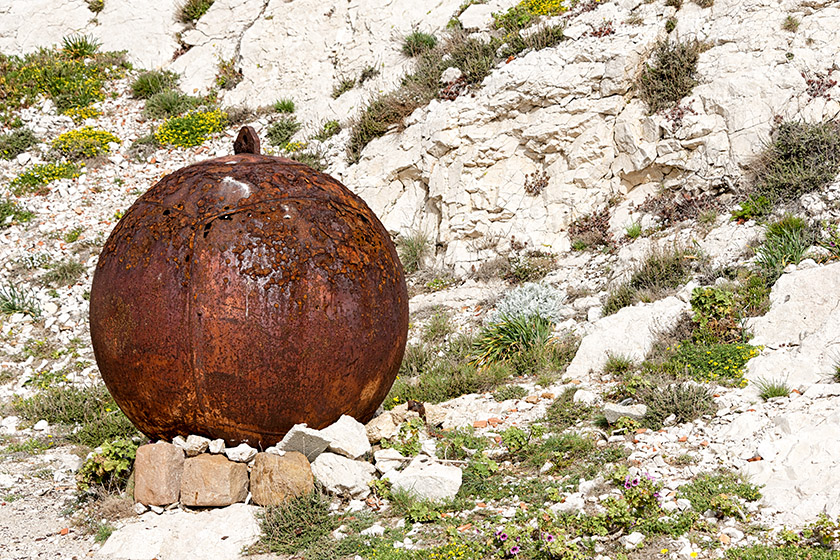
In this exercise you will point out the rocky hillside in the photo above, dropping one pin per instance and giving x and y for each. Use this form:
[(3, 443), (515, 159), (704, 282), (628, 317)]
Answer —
[(619, 221)]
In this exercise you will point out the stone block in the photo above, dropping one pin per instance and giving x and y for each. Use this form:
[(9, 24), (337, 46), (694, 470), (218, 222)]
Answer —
[(277, 479), (158, 470), (213, 480)]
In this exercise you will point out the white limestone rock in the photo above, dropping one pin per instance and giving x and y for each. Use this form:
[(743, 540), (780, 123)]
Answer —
[(307, 441), (347, 436), (342, 476), (426, 478), (242, 453)]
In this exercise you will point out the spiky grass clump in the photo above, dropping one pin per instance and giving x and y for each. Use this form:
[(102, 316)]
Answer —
[(80, 46), (511, 337), (280, 133), (18, 300), (685, 401), (785, 243), (169, 103), (412, 249), (148, 84), (771, 388), (418, 42), (662, 271)]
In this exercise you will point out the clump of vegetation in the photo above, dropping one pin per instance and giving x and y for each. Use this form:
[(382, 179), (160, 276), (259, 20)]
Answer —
[(770, 388), (685, 401), (791, 23), (418, 42), (65, 273), (191, 10), (801, 158), (662, 270), (191, 129), (719, 492), (16, 142), (297, 525), (73, 76), (670, 75), (511, 337), (170, 103), (90, 412), (509, 392), (96, 6), (227, 75), (13, 213), (591, 231), (18, 300), (282, 130), (284, 105), (81, 114), (785, 243), (565, 412), (526, 12), (109, 467), (330, 129), (83, 143), (153, 82), (530, 299), (412, 249), (33, 179), (719, 363)]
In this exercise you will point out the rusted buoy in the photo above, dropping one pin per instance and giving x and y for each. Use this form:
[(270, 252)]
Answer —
[(245, 294)]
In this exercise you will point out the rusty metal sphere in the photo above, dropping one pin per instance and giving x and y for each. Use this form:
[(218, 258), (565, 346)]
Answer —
[(245, 294)]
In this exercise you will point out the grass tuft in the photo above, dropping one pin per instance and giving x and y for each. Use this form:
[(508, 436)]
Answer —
[(18, 300), (418, 42), (150, 83), (412, 249), (769, 388), (670, 75)]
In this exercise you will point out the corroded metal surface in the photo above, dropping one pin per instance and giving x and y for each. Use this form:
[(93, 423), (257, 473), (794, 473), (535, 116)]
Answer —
[(245, 294)]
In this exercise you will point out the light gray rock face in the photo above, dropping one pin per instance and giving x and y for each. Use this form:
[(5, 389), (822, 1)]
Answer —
[(215, 534), (196, 445), (343, 476), (347, 436), (242, 453), (426, 478), (629, 333), (615, 411), (388, 460), (307, 441)]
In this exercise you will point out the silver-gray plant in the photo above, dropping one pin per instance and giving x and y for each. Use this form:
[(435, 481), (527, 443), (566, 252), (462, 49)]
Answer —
[(530, 299)]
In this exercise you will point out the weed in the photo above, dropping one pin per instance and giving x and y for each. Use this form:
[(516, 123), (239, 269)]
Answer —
[(785, 243), (791, 23), (674, 3), (769, 388), (801, 158), (438, 327), (344, 85), (15, 300), (191, 10), (407, 440), (65, 273), (13, 213), (80, 46), (715, 313), (412, 249), (330, 129), (103, 530), (284, 105), (670, 75), (509, 392), (565, 412), (84, 142), (710, 363), (191, 129), (299, 524), (169, 103), (33, 179), (672, 210), (754, 206), (31, 446), (280, 133), (685, 401), (535, 183), (618, 366), (510, 337), (662, 271), (227, 75), (143, 147), (670, 25), (717, 492), (153, 82), (530, 299), (368, 72), (705, 3), (592, 230), (109, 467), (81, 114), (530, 266), (417, 42), (16, 142), (634, 230), (92, 409)]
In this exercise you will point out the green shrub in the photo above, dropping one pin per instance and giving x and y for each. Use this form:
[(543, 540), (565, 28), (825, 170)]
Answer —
[(84, 142), (662, 271), (785, 243), (791, 23), (670, 75), (526, 12), (331, 128), (153, 82), (514, 439), (685, 401), (417, 42), (754, 206), (711, 363), (16, 142), (109, 467), (412, 249), (191, 10), (81, 114), (280, 132), (169, 103), (80, 46), (437, 328), (716, 315), (285, 105), (191, 129), (344, 85), (39, 175), (531, 266), (509, 392), (298, 524), (227, 75), (769, 388), (510, 337), (460, 443), (801, 158), (96, 6), (91, 410), (407, 440), (18, 300), (634, 230), (565, 412), (618, 366), (716, 491), (65, 273), (13, 213)]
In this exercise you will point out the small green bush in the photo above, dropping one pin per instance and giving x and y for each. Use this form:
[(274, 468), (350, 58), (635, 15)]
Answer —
[(754, 206), (670, 75), (169, 103), (686, 401), (509, 392), (457, 444), (711, 363), (791, 23), (18, 300), (662, 271), (80, 46), (716, 491), (785, 243), (417, 42), (191, 10), (16, 142), (33, 179), (109, 467), (510, 337), (191, 129), (298, 524), (526, 12), (65, 273), (285, 105), (280, 133), (801, 158), (344, 85), (769, 388), (150, 83), (565, 412), (83, 143), (331, 128), (227, 75), (96, 6), (13, 213)]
